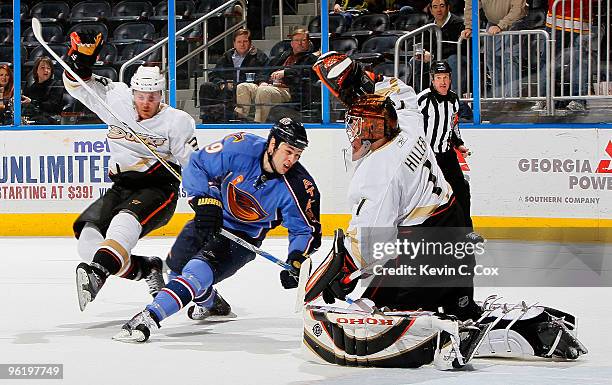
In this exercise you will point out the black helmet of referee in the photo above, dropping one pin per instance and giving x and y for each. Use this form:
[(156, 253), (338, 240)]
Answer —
[(439, 67)]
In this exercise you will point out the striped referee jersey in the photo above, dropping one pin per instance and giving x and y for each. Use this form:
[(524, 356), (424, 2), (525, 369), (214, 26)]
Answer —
[(441, 115)]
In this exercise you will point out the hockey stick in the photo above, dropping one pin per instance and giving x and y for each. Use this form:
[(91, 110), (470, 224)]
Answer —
[(37, 30)]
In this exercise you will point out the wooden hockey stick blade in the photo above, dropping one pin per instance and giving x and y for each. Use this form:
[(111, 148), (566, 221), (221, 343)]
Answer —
[(301, 289), (37, 30)]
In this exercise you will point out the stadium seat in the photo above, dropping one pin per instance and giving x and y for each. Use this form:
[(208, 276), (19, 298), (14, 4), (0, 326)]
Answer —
[(90, 26), (337, 24), (50, 11), (386, 69), (410, 22), (61, 49), (538, 4), (107, 72), (6, 33), (376, 48), (130, 50), (52, 33), (347, 45), (184, 10), (130, 10), (366, 25), (6, 11), (90, 11), (376, 22), (194, 34), (280, 47), (536, 18), (6, 54), (108, 54), (134, 31)]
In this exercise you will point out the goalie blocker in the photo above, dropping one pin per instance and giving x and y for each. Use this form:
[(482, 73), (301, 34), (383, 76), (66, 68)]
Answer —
[(406, 339)]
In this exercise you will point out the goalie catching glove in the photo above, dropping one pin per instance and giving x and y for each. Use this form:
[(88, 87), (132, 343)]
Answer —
[(331, 278), (345, 79), (84, 49)]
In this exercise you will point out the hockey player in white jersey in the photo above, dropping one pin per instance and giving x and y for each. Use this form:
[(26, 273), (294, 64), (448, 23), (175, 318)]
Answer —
[(144, 194), (398, 187)]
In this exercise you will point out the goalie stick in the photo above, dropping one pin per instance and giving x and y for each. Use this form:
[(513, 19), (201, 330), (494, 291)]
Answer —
[(37, 30)]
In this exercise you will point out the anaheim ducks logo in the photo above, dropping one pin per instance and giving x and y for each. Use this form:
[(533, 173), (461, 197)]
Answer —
[(115, 132), (243, 205)]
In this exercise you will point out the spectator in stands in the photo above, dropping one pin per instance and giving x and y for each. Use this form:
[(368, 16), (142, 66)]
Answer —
[(42, 102), (289, 78), (411, 6), (6, 95), (576, 33), (243, 63), (370, 6), (507, 15), (451, 26)]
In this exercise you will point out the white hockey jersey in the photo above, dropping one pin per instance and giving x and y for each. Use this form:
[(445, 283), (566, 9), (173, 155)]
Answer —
[(400, 183), (171, 132)]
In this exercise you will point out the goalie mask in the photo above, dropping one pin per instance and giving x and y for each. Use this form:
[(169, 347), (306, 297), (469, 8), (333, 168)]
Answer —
[(344, 78), (370, 118)]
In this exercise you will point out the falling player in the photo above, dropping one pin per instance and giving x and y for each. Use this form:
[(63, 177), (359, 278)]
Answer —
[(246, 185), (144, 194)]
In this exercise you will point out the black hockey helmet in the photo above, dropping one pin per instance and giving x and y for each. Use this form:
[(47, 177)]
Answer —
[(439, 67), (289, 131)]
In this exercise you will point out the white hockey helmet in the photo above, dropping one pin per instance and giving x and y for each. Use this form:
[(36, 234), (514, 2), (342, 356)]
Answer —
[(148, 79)]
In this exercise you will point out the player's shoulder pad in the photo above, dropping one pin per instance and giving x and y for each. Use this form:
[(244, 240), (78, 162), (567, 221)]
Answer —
[(302, 184), (304, 190), (244, 145)]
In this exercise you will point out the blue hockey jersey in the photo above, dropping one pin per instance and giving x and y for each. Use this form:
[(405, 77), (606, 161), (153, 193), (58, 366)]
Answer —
[(255, 201)]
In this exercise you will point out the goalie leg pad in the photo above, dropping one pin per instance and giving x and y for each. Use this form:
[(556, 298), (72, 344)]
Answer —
[(516, 330), (394, 339)]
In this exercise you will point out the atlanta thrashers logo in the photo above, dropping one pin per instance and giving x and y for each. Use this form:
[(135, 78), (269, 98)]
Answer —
[(243, 206)]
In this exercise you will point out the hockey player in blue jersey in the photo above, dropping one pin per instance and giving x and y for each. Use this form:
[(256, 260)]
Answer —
[(247, 185)]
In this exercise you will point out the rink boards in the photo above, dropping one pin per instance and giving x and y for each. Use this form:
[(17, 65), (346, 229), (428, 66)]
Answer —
[(545, 178)]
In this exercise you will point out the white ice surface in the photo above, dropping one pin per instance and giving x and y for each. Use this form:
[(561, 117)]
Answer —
[(40, 322)]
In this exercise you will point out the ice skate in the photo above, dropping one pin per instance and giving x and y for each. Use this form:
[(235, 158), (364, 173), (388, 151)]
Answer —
[(219, 311), (88, 283), (153, 274), (138, 329)]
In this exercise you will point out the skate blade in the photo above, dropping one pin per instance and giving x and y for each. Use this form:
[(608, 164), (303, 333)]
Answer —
[(219, 318), (131, 337), (83, 295)]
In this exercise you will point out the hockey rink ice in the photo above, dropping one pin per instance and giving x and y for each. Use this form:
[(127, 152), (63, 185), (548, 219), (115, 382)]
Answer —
[(40, 323)]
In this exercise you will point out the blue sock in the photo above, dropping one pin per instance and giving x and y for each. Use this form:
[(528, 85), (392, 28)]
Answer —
[(207, 298), (197, 277)]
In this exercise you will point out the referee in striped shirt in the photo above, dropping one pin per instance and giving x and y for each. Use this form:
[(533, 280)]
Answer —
[(440, 108)]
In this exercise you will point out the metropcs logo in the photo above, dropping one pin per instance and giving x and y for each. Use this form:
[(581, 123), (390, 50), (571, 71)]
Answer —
[(576, 168)]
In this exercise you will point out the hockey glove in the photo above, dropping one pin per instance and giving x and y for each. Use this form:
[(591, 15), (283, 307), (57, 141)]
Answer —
[(84, 49), (289, 278), (208, 215)]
